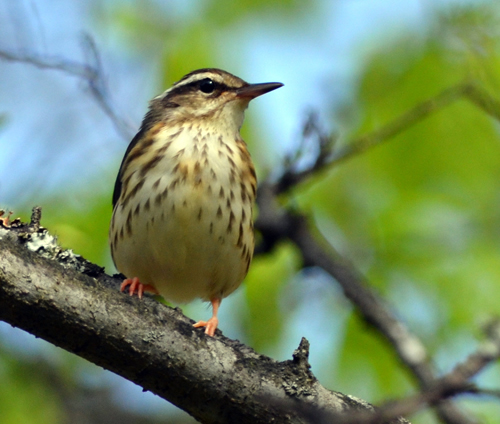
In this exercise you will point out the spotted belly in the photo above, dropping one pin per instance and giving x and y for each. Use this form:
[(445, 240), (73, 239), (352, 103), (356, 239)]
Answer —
[(188, 231)]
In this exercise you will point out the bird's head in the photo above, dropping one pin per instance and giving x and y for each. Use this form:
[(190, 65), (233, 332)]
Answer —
[(208, 94)]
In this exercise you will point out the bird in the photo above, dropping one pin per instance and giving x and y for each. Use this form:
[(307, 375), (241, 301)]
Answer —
[(182, 221)]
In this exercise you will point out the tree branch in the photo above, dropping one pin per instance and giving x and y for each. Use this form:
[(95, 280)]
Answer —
[(453, 383), (329, 158), (276, 223), (71, 303), (91, 73)]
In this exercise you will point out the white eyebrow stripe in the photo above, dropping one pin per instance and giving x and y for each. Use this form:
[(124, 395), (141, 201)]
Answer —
[(192, 78), (199, 77)]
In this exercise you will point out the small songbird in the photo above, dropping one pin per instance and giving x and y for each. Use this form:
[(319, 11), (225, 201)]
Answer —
[(182, 203)]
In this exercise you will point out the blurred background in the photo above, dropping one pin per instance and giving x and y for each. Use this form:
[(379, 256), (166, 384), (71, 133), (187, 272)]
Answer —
[(419, 216)]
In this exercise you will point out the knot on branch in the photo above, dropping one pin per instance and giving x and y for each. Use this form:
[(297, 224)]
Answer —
[(298, 380), (301, 354)]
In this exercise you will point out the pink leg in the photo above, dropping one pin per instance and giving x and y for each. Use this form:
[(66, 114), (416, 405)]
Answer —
[(137, 286), (211, 324)]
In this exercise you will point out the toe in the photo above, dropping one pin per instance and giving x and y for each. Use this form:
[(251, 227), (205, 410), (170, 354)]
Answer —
[(137, 287), (210, 325)]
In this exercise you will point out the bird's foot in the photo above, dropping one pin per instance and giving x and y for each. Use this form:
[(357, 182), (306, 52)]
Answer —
[(137, 286), (210, 325), (4, 222)]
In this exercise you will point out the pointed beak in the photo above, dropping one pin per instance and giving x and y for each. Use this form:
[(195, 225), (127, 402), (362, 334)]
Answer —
[(252, 91)]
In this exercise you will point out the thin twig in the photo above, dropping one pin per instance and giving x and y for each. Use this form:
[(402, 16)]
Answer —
[(467, 90), (452, 384), (91, 73), (398, 125), (324, 143), (482, 99)]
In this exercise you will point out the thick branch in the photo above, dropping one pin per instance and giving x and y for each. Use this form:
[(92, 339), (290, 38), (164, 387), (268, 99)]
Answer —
[(80, 309)]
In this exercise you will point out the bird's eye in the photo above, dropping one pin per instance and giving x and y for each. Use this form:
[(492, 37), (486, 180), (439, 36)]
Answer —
[(207, 85)]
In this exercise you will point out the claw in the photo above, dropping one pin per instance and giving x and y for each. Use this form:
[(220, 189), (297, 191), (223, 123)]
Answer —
[(211, 324), (137, 286)]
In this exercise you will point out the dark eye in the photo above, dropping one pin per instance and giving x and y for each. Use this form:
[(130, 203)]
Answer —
[(207, 85)]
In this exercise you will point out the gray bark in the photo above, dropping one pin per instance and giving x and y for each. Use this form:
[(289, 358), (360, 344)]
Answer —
[(60, 297)]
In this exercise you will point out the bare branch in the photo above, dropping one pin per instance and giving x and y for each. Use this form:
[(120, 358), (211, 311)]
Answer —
[(398, 125), (70, 302), (324, 144), (452, 384), (467, 90), (483, 100), (276, 224), (91, 73)]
